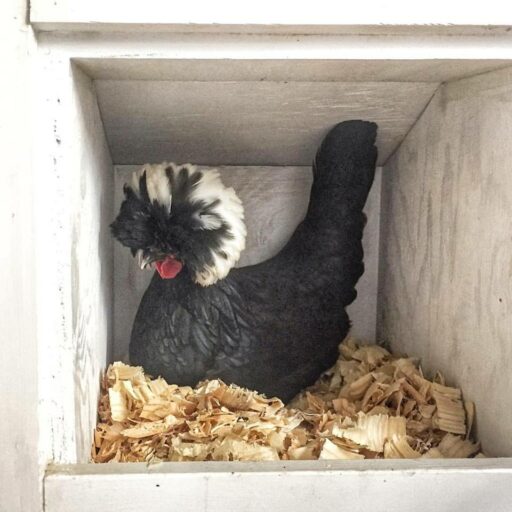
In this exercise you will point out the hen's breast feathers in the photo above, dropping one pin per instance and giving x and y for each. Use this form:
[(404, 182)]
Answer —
[(189, 328)]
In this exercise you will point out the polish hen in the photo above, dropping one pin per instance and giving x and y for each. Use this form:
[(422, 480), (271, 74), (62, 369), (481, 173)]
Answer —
[(273, 327)]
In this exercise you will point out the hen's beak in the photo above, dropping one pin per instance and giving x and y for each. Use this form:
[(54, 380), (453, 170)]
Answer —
[(143, 260)]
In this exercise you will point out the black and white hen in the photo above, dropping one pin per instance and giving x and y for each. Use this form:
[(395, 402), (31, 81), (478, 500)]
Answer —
[(273, 327)]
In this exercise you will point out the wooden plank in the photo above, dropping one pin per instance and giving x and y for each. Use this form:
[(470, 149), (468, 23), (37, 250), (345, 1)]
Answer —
[(66, 26), (363, 311), (281, 70), (91, 261), (302, 486), (248, 123), (20, 477), (202, 12), (275, 201), (73, 198), (445, 272), (148, 45)]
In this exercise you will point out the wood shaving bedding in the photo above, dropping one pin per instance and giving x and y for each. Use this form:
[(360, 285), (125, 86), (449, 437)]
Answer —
[(370, 404)]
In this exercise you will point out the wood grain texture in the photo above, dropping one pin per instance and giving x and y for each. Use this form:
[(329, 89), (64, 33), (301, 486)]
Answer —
[(282, 70), (446, 253), (91, 262), (248, 123), (275, 201), (73, 196), (345, 486)]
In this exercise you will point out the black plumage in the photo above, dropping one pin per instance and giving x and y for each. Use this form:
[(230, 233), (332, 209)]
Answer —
[(275, 326)]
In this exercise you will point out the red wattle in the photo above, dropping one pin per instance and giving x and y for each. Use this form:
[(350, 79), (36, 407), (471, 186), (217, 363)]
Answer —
[(169, 267)]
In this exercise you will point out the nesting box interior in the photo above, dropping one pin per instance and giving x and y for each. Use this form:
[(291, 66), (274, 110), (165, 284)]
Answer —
[(437, 244)]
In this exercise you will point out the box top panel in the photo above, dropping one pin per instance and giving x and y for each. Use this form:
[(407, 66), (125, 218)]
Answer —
[(197, 107), (248, 123), (323, 69)]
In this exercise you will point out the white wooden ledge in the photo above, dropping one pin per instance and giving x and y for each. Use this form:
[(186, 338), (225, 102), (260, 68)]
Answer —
[(279, 16), (354, 486)]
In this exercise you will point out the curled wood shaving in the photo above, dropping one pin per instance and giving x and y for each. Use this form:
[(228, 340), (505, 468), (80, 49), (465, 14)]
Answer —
[(372, 431), (450, 416), (332, 451), (398, 448), (469, 407), (453, 447), (370, 404)]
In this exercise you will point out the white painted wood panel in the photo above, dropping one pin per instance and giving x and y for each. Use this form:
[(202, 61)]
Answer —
[(302, 486), (91, 261), (446, 247), (20, 475), (248, 123), (377, 69), (73, 197), (147, 44), (267, 12), (275, 201), (363, 311)]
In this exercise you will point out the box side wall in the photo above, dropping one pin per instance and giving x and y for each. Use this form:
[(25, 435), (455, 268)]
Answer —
[(74, 187), (445, 264), (91, 260), (275, 200)]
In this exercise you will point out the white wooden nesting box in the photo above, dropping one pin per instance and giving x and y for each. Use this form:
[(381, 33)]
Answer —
[(256, 101)]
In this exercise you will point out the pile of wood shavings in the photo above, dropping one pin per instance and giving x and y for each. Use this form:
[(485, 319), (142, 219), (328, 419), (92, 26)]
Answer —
[(369, 405)]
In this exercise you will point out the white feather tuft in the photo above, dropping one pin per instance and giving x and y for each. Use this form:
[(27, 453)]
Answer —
[(156, 181), (209, 189), (231, 211)]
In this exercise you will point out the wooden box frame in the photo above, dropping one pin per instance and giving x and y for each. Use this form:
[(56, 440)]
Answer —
[(69, 135)]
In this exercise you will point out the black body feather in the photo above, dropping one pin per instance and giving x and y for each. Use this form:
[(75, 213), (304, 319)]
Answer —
[(273, 327)]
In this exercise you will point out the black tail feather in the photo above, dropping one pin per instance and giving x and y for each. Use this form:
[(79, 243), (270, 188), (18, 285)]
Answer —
[(345, 162)]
